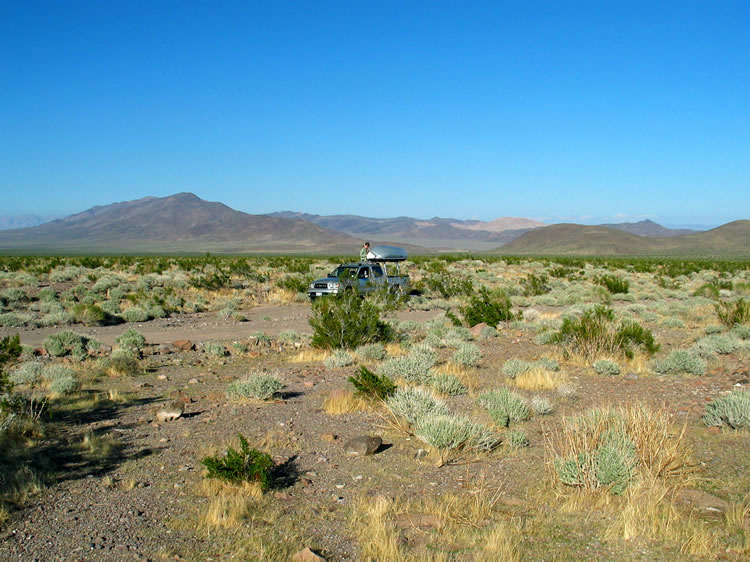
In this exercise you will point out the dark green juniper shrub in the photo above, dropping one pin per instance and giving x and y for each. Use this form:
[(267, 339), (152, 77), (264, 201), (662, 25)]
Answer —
[(612, 283), (347, 321), (10, 349), (371, 384), (245, 465), (447, 285), (597, 332), (490, 308)]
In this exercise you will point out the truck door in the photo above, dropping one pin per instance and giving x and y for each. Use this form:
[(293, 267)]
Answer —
[(363, 279), (378, 277)]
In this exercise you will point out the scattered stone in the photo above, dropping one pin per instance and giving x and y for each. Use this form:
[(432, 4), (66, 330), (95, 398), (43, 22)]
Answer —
[(141, 384), (306, 482), (193, 381), (308, 384), (476, 330), (171, 411), (167, 349), (363, 445), (702, 501), (282, 496), (330, 437), (631, 377), (306, 555), (184, 345), (421, 453), (163, 377)]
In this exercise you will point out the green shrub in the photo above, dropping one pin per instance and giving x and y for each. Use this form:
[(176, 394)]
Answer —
[(448, 286), (707, 290), (535, 285), (131, 339), (742, 332), (28, 373), (339, 358), (717, 344), (517, 438), (515, 367), (258, 387), (64, 385), (448, 432), (15, 319), (412, 404), (413, 367), (467, 355), (448, 384), (504, 406), (10, 349), (289, 336), (372, 385), (214, 348), (680, 361), (347, 321), (612, 283), (732, 313), (66, 343), (371, 352), (90, 315), (732, 410), (596, 333), (541, 405), (606, 367), (47, 294), (245, 465), (134, 314), (457, 336), (488, 308)]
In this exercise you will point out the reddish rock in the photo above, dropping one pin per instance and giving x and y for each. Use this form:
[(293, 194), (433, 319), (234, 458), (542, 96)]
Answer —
[(184, 345), (477, 329)]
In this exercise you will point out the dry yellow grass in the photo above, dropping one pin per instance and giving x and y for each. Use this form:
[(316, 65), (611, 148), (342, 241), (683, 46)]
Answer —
[(310, 355), (278, 295), (343, 401), (541, 379), (230, 504), (469, 377), (394, 349)]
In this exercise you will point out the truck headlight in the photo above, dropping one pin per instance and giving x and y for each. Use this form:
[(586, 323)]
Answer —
[(334, 285), (312, 285)]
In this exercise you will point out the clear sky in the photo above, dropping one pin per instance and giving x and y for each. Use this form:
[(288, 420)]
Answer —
[(603, 111)]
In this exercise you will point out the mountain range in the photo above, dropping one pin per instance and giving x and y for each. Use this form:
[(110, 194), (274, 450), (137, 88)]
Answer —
[(184, 223)]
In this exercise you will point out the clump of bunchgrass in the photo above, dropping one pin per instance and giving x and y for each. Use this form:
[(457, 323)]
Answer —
[(289, 336), (67, 343), (371, 352), (717, 344), (447, 384), (467, 355), (731, 313), (450, 434), (28, 373), (680, 361), (260, 386), (541, 405), (214, 348), (606, 367), (517, 438), (732, 410), (131, 339), (412, 403), (514, 367), (339, 358), (504, 406), (413, 367)]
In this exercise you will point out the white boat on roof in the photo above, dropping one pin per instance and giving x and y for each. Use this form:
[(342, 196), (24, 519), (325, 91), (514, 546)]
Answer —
[(386, 253)]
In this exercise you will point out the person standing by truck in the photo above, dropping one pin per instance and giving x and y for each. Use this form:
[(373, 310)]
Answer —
[(363, 251)]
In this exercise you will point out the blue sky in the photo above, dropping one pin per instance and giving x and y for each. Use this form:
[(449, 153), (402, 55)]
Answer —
[(561, 111)]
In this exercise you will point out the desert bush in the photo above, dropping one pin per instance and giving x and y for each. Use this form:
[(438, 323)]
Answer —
[(66, 343), (372, 385), (90, 315), (28, 373), (457, 336), (448, 433), (504, 406), (542, 406), (514, 367), (707, 290), (64, 385), (535, 285), (10, 350), (732, 410), (467, 355), (488, 308), (347, 321), (612, 283), (119, 365), (606, 367), (289, 336), (135, 314), (448, 286), (13, 297), (448, 384), (47, 294), (716, 345), (680, 361), (517, 438), (214, 348), (731, 313), (412, 404), (15, 319), (606, 448), (742, 332), (257, 386), (596, 332), (131, 339), (371, 352), (413, 367), (339, 358), (245, 465)]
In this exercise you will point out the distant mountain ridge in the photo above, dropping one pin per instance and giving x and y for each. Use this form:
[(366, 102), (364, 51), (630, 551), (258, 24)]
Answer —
[(444, 233), (178, 223), (20, 221), (649, 228), (731, 239)]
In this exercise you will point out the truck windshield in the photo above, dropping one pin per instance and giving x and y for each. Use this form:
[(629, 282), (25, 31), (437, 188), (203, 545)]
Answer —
[(344, 272)]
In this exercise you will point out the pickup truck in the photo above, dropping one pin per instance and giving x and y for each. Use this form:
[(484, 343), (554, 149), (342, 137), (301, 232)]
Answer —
[(364, 276)]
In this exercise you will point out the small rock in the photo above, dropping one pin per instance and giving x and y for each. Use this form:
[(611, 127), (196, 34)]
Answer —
[(476, 330), (308, 384), (330, 437), (171, 411), (702, 501), (184, 345), (420, 454), (282, 496), (163, 377), (306, 555), (631, 377), (363, 445), (193, 381), (713, 430), (306, 482)]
